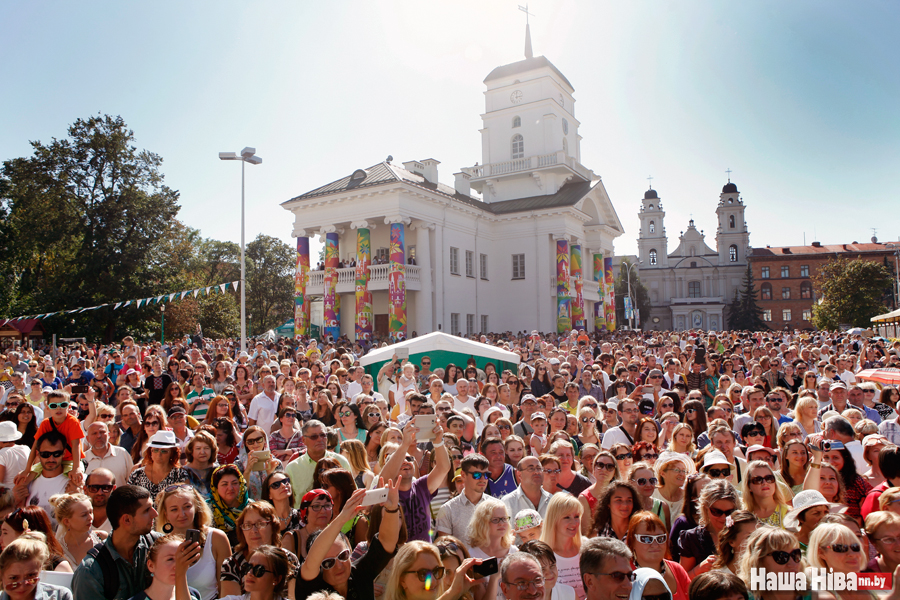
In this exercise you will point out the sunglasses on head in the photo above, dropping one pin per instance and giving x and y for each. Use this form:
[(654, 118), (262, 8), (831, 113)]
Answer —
[(329, 563), (781, 557)]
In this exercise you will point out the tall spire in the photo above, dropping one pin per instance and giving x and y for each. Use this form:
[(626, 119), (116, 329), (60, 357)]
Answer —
[(528, 52)]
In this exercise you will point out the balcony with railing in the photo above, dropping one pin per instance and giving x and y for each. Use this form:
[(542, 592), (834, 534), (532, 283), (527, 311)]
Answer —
[(531, 163), (589, 289), (378, 279)]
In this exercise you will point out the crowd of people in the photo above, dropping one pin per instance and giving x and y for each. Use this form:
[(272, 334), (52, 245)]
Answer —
[(634, 465)]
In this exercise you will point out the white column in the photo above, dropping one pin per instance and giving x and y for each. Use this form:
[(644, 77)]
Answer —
[(424, 299), (441, 267)]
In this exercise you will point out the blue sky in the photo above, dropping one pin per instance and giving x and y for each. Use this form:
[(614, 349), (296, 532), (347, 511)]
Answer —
[(799, 99)]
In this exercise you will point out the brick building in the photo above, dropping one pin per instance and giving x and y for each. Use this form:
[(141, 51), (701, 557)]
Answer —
[(785, 277)]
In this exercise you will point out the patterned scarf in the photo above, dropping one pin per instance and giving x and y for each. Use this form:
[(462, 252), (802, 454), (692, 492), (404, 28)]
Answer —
[(224, 517)]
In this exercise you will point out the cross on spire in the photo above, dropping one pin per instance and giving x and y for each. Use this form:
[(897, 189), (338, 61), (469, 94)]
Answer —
[(729, 174), (528, 52), (524, 9), (650, 179)]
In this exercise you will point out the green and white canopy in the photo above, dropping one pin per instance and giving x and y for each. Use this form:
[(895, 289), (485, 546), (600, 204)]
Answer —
[(443, 349)]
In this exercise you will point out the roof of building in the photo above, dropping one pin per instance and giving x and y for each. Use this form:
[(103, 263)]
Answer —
[(650, 194), (819, 249), (385, 173), (523, 66), (729, 188)]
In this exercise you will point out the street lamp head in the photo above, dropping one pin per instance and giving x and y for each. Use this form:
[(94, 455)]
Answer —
[(253, 160), (248, 152), (228, 156)]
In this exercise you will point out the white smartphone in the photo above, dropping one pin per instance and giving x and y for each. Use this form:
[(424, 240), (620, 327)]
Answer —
[(378, 496), (402, 354), (425, 423)]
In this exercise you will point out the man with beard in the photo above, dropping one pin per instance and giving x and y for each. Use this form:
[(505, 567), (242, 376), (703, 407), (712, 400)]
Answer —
[(98, 485), (102, 454), (50, 449)]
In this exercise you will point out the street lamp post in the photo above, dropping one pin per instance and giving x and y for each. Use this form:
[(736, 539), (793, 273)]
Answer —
[(248, 155), (628, 267), (162, 325)]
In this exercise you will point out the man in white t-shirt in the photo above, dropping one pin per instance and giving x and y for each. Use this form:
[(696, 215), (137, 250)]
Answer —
[(50, 449), (463, 399), (13, 456), (264, 406), (624, 433)]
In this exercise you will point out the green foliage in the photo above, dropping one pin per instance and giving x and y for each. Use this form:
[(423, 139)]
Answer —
[(852, 292), (743, 312), (638, 292), (270, 283)]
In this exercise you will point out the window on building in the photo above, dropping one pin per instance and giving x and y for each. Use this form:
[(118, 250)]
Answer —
[(454, 323), (518, 146), (765, 273), (482, 260), (765, 291), (732, 253), (470, 324), (518, 266), (767, 314), (786, 315), (693, 289), (806, 290), (652, 227), (484, 324), (410, 253), (517, 122), (807, 315), (731, 222), (693, 263), (785, 293), (804, 270), (382, 255), (653, 256), (454, 261), (785, 272), (470, 263)]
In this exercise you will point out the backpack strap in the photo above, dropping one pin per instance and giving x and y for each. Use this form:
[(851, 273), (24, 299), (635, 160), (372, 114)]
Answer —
[(103, 557)]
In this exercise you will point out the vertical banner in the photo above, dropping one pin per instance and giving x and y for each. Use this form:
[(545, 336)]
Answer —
[(363, 297), (397, 284), (301, 302), (600, 306), (332, 326), (610, 294), (563, 308), (577, 274)]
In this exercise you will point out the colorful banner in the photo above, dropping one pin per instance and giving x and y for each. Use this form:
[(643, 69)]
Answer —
[(577, 274), (332, 326), (301, 302), (563, 307), (397, 284), (363, 295), (600, 305), (610, 294)]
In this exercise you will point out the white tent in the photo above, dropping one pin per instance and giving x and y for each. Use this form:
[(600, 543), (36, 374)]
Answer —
[(442, 349)]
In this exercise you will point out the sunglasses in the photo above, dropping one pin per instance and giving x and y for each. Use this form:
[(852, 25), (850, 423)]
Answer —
[(653, 539), (426, 574), (645, 481), (624, 456), (456, 456), (344, 556), (16, 585), (55, 405), (478, 474), (604, 466), (277, 484), (668, 405), (313, 437), (255, 570), (54, 454), (373, 415), (345, 413), (255, 440), (290, 415), (99, 487), (719, 513), (759, 480), (619, 576), (844, 548), (504, 427), (754, 432), (717, 473), (553, 471), (649, 456), (781, 557)]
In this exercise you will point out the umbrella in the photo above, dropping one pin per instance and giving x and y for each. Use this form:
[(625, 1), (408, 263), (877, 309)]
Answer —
[(886, 376), (855, 331)]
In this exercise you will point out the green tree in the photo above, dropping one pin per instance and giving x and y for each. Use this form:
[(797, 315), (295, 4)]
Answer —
[(851, 292), (743, 312), (83, 219), (638, 292), (270, 282)]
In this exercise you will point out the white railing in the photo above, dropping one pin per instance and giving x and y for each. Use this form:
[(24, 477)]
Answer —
[(377, 274), (525, 164), (316, 279)]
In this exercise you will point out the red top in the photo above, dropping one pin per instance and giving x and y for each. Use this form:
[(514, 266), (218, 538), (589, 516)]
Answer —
[(70, 427)]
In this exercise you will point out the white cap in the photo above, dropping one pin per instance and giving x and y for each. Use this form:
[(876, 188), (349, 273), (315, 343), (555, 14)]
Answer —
[(714, 457)]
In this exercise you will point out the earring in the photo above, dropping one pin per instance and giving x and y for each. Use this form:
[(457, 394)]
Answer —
[(168, 528)]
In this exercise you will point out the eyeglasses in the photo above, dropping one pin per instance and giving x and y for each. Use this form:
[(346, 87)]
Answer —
[(719, 513), (652, 539), (588, 420), (55, 405), (758, 480), (498, 520), (315, 436), (604, 466), (645, 481), (478, 474), (99, 487), (717, 473), (781, 557), (257, 526), (321, 507), (887, 541), (17, 584), (159, 450), (255, 570), (329, 563), (54, 454), (668, 405), (619, 576), (553, 471), (844, 548), (624, 456), (678, 471), (537, 583), (277, 484)]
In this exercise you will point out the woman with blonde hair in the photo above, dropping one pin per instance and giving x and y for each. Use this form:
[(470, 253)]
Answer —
[(419, 574), (490, 533), (697, 546), (763, 496), (181, 507), (773, 550), (794, 464), (562, 532), (355, 453), (835, 547), (683, 440), (21, 563), (75, 514), (766, 418), (805, 415)]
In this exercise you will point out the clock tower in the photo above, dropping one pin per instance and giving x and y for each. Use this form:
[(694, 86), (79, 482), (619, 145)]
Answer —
[(529, 140)]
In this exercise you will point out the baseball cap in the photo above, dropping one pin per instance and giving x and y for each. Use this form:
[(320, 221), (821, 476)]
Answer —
[(538, 415), (527, 519)]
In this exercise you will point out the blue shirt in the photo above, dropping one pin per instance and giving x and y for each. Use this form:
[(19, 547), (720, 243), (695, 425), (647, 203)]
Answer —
[(503, 485), (133, 577), (45, 591)]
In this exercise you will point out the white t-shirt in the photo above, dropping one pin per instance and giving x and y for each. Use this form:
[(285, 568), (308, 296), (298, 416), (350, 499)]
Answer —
[(562, 591), (570, 574), (14, 459), (42, 489), (263, 410), (469, 403)]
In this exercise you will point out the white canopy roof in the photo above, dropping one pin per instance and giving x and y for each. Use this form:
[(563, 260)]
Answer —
[(887, 316), (440, 341)]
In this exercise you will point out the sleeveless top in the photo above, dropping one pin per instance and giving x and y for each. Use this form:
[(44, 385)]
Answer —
[(95, 539), (776, 519), (202, 575)]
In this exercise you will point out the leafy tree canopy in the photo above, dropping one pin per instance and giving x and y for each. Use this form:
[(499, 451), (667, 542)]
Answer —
[(852, 292)]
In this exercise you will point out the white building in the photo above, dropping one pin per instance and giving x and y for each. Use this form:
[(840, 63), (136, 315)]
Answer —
[(482, 263), (692, 286)]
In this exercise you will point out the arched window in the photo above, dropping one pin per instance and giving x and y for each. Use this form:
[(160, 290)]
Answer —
[(693, 289), (518, 146), (806, 290), (765, 291), (732, 253), (731, 221), (652, 226), (653, 256), (517, 122)]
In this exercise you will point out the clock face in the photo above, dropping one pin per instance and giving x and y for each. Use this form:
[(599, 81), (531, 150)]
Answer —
[(565, 125), (656, 319), (516, 97)]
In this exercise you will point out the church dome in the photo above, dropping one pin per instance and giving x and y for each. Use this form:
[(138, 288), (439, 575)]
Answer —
[(650, 194), (729, 188)]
